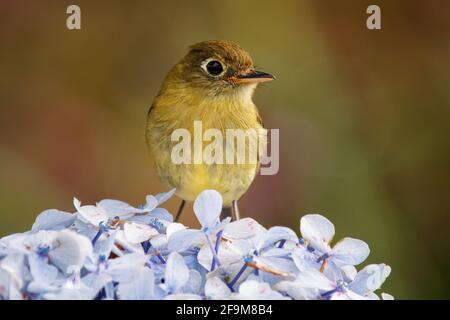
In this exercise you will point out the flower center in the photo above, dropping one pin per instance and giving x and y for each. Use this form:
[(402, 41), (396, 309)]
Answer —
[(43, 251)]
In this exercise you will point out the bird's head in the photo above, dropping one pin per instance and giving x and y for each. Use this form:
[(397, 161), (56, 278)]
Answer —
[(216, 68)]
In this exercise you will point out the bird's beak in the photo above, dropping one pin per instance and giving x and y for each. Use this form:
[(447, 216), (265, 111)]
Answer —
[(253, 76)]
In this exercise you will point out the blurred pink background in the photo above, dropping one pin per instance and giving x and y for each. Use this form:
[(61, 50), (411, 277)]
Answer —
[(364, 115)]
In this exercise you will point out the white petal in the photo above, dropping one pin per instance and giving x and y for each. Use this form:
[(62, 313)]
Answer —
[(277, 252), (350, 251), (85, 228), (194, 283), (127, 267), (176, 274), (254, 290), (372, 296), (317, 230), (164, 196), (16, 242), (137, 232), (141, 288), (386, 296), (295, 291), (87, 290), (10, 289), (151, 202), (104, 245), (53, 220), (181, 240), (40, 270), (183, 296), (64, 294), (347, 295), (161, 214), (242, 229), (159, 242), (72, 249), (276, 234), (173, 227), (116, 208), (41, 287), (92, 214), (221, 225), (370, 278), (304, 259), (14, 265), (275, 266), (216, 289), (312, 278), (229, 253), (157, 218), (92, 284), (207, 208), (349, 272)]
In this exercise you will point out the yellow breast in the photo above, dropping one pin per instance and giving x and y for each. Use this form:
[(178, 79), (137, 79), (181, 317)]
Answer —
[(174, 111)]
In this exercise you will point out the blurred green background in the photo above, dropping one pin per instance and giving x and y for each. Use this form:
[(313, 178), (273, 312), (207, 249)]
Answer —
[(364, 115)]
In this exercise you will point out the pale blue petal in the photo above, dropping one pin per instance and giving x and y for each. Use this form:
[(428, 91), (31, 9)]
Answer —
[(116, 208), (318, 231), (183, 239), (386, 296), (254, 290), (138, 232), (207, 208), (72, 250), (304, 259), (53, 220), (194, 283), (127, 267), (245, 228), (312, 278), (105, 244), (183, 296), (91, 214), (164, 196), (151, 203), (177, 273), (276, 266), (370, 278), (216, 289), (274, 235), (141, 288), (350, 251), (162, 214), (41, 271)]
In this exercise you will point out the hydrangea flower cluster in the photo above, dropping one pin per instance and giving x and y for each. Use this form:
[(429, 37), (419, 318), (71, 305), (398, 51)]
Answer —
[(113, 250)]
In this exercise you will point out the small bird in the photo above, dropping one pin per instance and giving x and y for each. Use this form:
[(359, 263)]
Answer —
[(214, 84)]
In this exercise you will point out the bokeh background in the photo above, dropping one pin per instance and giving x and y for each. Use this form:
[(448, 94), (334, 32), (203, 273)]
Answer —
[(364, 116)]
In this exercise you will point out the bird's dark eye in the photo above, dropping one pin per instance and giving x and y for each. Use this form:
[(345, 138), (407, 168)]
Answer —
[(214, 67)]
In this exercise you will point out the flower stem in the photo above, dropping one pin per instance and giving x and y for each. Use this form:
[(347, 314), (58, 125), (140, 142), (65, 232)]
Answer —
[(281, 244), (237, 276), (160, 257), (97, 236), (147, 247), (216, 249), (215, 258), (219, 236)]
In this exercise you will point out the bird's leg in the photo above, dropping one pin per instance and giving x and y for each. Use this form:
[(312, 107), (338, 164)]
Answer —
[(226, 212), (235, 211), (180, 210)]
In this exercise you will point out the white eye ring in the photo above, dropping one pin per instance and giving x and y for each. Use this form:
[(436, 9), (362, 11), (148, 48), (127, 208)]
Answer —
[(204, 65)]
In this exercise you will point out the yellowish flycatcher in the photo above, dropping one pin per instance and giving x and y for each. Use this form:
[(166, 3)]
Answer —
[(214, 84)]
